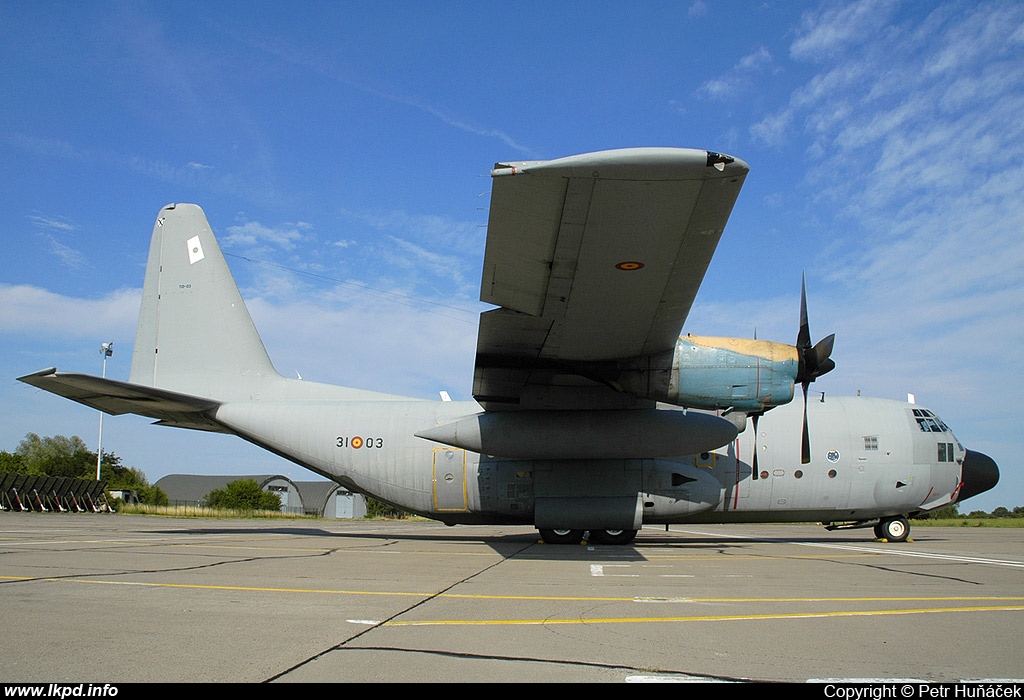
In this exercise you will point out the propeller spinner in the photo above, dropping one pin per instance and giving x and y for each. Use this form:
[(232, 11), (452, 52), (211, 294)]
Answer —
[(815, 360)]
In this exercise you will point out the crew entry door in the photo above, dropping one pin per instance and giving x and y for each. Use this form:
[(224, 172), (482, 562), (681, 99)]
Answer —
[(450, 480)]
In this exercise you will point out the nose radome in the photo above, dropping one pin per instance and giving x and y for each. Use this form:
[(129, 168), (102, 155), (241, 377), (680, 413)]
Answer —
[(979, 474)]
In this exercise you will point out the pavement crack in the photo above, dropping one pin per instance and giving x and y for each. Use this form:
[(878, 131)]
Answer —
[(426, 599)]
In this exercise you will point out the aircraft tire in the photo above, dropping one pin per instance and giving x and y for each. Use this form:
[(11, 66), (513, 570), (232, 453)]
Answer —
[(895, 529), (562, 536), (612, 536)]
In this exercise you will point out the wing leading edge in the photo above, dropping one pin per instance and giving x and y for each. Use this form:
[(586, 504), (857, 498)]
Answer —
[(593, 258)]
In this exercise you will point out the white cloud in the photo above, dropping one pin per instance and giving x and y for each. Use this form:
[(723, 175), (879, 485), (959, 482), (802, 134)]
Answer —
[(827, 32), (52, 223), (738, 78), (68, 256), (253, 234), (369, 342), (32, 311)]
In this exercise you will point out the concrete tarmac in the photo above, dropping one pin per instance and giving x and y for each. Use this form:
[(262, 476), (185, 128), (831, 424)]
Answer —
[(104, 598)]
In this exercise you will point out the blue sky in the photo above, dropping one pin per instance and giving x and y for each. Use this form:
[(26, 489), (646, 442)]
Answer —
[(341, 151)]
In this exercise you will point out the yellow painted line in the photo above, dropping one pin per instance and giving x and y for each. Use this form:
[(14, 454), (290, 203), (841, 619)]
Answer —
[(362, 548), (469, 596), (699, 618), (653, 558), (209, 587)]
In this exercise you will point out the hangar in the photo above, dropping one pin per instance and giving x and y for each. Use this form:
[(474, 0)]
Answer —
[(321, 498)]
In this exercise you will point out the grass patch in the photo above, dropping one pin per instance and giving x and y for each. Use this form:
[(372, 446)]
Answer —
[(185, 511), (969, 522), (189, 511)]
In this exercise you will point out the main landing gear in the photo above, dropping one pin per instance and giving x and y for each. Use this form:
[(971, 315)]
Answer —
[(596, 536)]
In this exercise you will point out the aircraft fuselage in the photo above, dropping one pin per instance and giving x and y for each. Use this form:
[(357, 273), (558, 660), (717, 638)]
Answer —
[(896, 463)]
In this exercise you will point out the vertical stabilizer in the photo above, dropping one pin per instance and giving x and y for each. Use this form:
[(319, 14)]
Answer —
[(195, 335)]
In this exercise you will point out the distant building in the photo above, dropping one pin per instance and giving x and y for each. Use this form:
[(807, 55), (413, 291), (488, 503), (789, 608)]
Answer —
[(329, 500), (321, 498)]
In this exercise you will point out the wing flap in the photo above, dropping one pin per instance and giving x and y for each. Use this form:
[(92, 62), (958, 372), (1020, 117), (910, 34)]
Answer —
[(517, 268)]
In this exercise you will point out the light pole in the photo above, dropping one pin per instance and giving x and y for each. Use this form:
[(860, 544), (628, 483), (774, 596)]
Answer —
[(107, 349)]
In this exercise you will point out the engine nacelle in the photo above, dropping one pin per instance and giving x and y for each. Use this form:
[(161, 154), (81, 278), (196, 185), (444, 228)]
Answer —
[(716, 373)]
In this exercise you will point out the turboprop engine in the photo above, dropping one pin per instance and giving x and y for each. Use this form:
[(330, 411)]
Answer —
[(716, 373)]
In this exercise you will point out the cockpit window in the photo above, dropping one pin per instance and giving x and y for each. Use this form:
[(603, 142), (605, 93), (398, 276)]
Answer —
[(929, 422)]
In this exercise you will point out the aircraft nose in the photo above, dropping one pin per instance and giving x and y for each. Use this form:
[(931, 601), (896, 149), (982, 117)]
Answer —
[(980, 473)]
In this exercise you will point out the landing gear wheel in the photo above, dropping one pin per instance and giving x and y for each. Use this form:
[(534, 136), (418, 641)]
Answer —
[(894, 529), (562, 536), (612, 536)]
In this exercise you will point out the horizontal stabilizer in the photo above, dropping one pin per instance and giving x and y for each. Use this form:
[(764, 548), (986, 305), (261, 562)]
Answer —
[(116, 398)]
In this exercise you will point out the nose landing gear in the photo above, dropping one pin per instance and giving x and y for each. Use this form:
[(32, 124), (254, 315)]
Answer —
[(893, 529)]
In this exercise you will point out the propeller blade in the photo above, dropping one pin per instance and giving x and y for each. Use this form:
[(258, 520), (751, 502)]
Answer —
[(822, 351), (753, 420), (805, 448), (803, 338), (827, 366), (815, 361)]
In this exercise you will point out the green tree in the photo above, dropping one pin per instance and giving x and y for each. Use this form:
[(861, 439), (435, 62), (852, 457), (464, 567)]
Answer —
[(129, 478), (70, 457), (944, 513), (56, 456), (11, 462), (380, 509), (152, 495), (243, 494)]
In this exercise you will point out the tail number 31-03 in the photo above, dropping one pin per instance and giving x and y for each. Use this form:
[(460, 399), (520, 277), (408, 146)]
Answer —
[(356, 442)]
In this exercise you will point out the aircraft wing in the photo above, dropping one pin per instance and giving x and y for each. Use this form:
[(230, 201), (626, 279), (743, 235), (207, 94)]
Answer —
[(593, 258), (116, 398)]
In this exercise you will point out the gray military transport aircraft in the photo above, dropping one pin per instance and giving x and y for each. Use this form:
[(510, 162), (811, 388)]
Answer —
[(591, 413)]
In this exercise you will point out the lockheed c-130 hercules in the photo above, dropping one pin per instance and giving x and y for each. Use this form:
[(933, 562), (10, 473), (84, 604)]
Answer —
[(591, 413)]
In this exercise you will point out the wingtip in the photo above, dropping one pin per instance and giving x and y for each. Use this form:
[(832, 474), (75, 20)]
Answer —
[(41, 373)]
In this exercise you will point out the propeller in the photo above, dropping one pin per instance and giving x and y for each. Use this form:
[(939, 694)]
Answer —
[(815, 361)]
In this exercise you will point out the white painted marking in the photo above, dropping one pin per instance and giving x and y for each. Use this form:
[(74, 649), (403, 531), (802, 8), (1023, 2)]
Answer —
[(662, 600), (195, 250), (874, 550), (598, 570), (364, 622)]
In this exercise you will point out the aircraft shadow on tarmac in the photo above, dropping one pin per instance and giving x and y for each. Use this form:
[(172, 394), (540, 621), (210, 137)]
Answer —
[(529, 544)]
